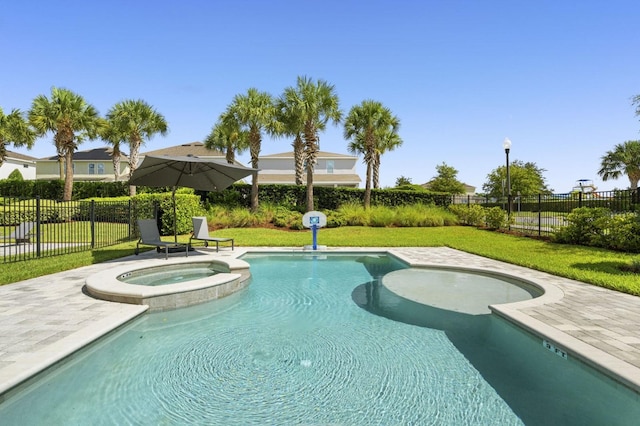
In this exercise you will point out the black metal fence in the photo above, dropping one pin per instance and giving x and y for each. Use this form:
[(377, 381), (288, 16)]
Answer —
[(542, 215), (34, 228)]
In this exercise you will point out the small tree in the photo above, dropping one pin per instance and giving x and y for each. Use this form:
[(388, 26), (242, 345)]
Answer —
[(446, 180), (402, 181), (526, 179)]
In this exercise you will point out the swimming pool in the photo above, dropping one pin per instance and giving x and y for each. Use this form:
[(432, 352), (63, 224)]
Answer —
[(319, 340)]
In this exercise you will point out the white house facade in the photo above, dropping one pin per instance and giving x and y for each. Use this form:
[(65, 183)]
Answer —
[(25, 164), (331, 169)]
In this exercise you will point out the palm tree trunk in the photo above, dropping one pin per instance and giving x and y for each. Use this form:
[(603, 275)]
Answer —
[(298, 158), (230, 155), (116, 167), (367, 188), (376, 171), (68, 178), (310, 154), (115, 157), (134, 157), (254, 149)]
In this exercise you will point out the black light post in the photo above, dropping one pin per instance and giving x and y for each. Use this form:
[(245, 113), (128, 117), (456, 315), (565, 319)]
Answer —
[(506, 144)]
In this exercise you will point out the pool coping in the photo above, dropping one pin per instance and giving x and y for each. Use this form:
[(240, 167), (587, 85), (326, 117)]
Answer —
[(17, 369)]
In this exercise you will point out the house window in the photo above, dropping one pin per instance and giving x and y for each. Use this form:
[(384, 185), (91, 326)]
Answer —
[(329, 166), (100, 168), (92, 169)]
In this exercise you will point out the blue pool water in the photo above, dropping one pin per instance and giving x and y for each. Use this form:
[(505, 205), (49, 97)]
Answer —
[(317, 340)]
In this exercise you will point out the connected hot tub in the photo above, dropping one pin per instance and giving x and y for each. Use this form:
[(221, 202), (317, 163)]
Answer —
[(161, 285)]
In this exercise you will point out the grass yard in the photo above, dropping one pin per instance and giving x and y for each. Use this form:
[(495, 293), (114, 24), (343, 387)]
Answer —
[(591, 265)]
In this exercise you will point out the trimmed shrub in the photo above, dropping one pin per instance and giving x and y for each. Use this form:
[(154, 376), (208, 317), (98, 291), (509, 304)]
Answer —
[(468, 214), (586, 226), (496, 218)]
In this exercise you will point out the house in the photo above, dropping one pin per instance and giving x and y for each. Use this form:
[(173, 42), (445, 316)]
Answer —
[(90, 165), (16, 161), (331, 169), (191, 149)]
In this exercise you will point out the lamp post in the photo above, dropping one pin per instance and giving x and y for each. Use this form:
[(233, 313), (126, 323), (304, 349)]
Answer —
[(506, 144)]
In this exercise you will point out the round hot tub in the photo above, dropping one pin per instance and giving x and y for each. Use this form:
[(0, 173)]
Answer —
[(172, 274), (161, 285)]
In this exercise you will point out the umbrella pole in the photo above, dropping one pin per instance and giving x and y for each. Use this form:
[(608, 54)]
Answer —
[(175, 216)]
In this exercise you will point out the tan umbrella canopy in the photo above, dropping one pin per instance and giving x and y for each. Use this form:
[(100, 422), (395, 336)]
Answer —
[(190, 172)]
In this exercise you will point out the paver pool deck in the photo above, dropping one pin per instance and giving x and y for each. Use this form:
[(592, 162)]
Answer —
[(45, 319)]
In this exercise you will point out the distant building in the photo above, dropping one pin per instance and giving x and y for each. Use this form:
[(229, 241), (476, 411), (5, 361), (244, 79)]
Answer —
[(191, 149), (16, 161), (90, 165), (331, 170)]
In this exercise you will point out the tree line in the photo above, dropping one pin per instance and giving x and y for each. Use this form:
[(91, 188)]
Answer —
[(302, 112)]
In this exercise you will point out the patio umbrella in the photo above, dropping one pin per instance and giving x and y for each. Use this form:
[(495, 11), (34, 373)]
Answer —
[(190, 172)]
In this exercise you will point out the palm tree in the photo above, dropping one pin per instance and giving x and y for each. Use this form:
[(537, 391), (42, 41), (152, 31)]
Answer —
[(388, 141), (623, 159), (14, 129), (108, 135), (227, 136), (293, 126), (255, 112), (373, 129), (132, 122), (71, 119), (314, 104)]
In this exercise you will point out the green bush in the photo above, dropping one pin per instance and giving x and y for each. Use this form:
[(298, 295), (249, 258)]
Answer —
[(586, 226), (381, 216), (335, 219), (624, 234), (51, 211), (496, 218), (15, 175), (186, 203), (354, 214), (471, 214)]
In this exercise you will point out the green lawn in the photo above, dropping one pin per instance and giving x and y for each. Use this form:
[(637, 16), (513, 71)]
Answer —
[(591, 265)]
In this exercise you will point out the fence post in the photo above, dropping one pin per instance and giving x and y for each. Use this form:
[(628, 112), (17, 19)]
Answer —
[(38, 222), (92, 221), (539, 215)]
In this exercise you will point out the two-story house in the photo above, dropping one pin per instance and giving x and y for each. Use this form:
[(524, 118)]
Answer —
[(90, 165), (331, 169)]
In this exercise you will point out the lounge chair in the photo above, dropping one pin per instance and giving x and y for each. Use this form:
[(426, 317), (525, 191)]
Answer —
[(201, 232), (150, 236), (22, 233)]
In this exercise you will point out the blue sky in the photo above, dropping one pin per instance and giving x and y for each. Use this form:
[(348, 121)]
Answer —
[(556, 77)]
